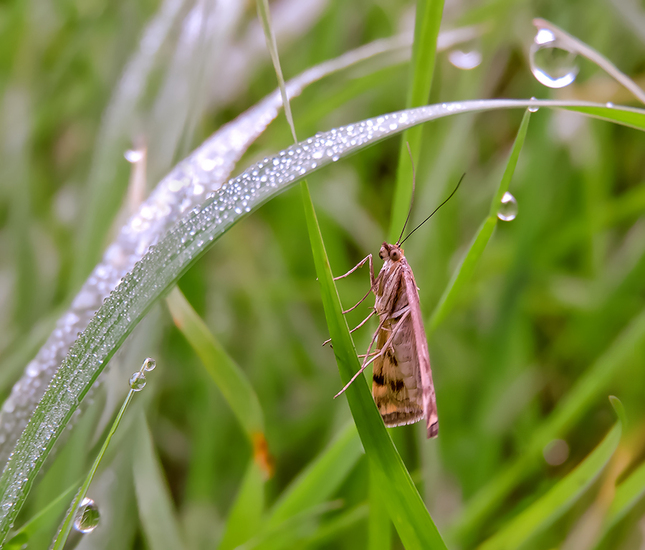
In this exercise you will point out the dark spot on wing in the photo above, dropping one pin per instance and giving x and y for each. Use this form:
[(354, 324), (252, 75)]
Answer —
[(378, 379), (396, 385)]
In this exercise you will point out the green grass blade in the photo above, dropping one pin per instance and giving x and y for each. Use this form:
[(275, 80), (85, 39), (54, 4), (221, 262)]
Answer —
[(66, 526), (227, 375), (244, 519), (321, 479), (379, 526), (154, 501), (569, 410), (466, 268), (403, 502), (558, 499), (424, 54)]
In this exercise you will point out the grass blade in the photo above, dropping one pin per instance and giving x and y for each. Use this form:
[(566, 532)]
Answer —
[(227, 375), (403, 502), (155, 505), (424, 54), (66, 526), (244, 519), (558, 499), (321, 480), (466, 268)]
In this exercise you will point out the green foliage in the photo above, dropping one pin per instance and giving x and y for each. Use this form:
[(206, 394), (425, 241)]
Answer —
[(542, 319)]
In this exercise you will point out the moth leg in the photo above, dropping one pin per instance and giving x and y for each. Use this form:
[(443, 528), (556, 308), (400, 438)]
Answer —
[(356, 327), (362, 355), (380, 352), (365, 363), (359, 302), (360, 264)]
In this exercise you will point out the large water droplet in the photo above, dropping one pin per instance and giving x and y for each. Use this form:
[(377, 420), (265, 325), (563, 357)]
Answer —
[(87, 516), (465, 59), (508, 208), (552, 64), (138, 381), (149, 364)]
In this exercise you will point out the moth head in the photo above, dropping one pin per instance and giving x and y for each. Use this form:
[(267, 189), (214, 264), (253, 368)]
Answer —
[(390, 252)]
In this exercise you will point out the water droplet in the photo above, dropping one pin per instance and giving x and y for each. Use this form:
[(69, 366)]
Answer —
[(552, 64), (508, 209), (132, 155), (465, 60), (87, 516), (149, 364), (609, 105), (533, 109), (138, 381), (556, 452)]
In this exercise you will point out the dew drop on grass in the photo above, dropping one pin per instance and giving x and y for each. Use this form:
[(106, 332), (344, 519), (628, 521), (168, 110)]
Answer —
[(508, 208), (533, 108), (552, 64), (149, 364), (87, 516), (138, 381)]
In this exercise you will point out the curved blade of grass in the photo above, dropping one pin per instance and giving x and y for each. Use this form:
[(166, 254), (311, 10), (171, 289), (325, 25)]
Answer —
[(227, 375), (424, 53), (558, 499), (568, 411), (321, 479), (466, 268), (403, 502), (163, 264), (245, 518), (154, 502), (186, 186), (66, 526)]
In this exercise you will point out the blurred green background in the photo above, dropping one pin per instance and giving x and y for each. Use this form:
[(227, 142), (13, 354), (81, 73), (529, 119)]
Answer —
[(555, 299)]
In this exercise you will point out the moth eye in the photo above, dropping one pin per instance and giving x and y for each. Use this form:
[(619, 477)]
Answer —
[(382, 253), (396, 255)]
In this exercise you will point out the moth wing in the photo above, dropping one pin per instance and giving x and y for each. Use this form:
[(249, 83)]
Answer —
[(423, 356), (397, 404)]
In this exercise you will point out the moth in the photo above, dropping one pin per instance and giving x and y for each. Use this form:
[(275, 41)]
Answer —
[(402, 384)]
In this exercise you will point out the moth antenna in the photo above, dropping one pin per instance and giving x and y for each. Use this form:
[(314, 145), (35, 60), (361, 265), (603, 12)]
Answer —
[(414, 177), (436, 209)]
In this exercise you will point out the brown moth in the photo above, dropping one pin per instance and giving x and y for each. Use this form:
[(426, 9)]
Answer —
[(402, 384), (402, 379)]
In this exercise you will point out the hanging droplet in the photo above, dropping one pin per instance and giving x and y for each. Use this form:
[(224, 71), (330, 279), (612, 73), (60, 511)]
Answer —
[(508, 208), (534, 108), (87, 516), (552, 64), (149, 364), (133, 155), (465, 59), (138, 381)]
